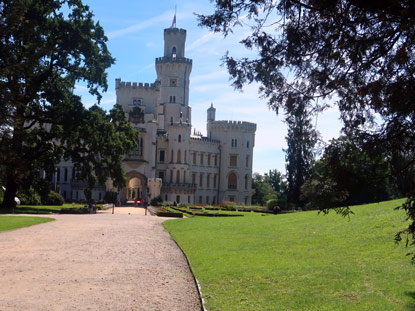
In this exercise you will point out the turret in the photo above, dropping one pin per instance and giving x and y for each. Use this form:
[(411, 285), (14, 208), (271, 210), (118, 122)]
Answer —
[(174, 40), (211, 113)]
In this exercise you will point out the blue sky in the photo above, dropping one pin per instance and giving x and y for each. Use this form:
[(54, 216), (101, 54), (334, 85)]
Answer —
[(135, 33)]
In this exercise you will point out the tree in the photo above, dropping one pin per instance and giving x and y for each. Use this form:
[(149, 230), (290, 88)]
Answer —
[(346, 175), (301, 139), (355, 54), (262, 190), (46, 47)]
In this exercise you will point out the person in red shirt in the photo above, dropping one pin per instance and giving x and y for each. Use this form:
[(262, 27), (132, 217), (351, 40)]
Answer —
[(135, 202)]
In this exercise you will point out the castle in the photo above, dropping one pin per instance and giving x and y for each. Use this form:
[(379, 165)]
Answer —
[(170, 160)]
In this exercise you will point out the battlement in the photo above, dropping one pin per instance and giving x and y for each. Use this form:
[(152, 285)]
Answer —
[(136, 85), (234, 125), (175, 31), (182, 60), (204, 139)]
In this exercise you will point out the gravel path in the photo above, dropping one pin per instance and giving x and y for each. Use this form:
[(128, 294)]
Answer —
[(125, 261)]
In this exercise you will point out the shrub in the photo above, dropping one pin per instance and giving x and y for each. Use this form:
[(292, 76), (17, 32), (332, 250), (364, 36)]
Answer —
[(29, 197), (272, 205), (53, 198), (183, 205), (110, 197), (156, 201)]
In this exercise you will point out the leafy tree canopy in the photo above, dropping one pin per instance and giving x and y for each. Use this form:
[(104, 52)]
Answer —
[(356, 54), (46, 47)]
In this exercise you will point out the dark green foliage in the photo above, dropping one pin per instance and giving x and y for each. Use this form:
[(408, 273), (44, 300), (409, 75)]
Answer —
[(272, 205), (301, 139), (357, 55), (29, 197), (110, 197), (156, 201), (53, 198), (347, 175), (47, 46)]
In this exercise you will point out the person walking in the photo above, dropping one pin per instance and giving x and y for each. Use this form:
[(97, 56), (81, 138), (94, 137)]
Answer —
[(135, 202)]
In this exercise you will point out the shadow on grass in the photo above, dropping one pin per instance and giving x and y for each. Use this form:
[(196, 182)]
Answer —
[(411, 304), (29, 210)]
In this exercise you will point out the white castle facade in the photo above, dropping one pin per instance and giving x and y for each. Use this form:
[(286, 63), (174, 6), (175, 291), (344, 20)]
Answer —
[(171, 161)]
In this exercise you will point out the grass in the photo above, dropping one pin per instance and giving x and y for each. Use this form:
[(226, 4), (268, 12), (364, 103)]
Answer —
[(15, 222), (38, 209), (300, 261)]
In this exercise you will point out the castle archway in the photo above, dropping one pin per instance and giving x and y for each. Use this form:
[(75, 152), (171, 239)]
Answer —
[(136, 186)]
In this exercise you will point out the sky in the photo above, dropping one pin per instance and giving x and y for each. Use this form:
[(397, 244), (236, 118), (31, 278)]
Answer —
[(135, 38)]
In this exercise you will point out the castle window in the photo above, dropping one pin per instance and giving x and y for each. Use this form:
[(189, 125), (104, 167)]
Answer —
[(171, 176), (178, 177), (171, 156), (173, 82), (231, 198), (66, 174), (194, 157), (246, 182), (177, 198), (184, 177), (180, 138), (246, 200), (185, 156), (201, 180), (216, 160), (200, 199), (207, 199), (236, 143), (162, 155), (141, 147), (173, 52), (73, 173), (209, 159), (161, 175), (233, 160), (172, 99), (208, 180), (193, 178), (247, 161), (247, 144), (179, 156), (232, 181), (58, 174), (136, 102), (201, 158), (171, 120), (214, 180)]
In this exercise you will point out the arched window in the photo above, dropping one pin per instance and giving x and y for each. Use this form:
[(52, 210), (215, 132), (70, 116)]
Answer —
[(232, 181), (180, 138), (173, 52), (179, 156), (178, 177)]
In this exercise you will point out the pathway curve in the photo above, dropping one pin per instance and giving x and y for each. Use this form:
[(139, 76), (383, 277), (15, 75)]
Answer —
[(125, 261)]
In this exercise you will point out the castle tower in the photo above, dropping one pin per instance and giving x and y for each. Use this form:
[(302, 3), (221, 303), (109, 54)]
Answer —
[(173, 72)]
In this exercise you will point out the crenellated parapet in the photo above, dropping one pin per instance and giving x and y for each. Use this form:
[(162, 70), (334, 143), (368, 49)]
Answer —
[(233, 125), (168, 60), (137, 85)]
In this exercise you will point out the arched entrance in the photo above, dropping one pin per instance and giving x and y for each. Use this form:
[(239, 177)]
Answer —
[(136, 187)]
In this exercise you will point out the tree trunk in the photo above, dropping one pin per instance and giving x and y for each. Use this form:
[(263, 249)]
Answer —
[(10, 193)]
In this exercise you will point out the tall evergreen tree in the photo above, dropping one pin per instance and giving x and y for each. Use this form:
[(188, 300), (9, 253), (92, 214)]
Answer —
[(46, 47), (301, 140)]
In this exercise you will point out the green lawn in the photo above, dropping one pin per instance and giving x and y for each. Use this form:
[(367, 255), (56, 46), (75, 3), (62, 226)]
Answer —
[(38, 209), (300, 261), (15, 222)]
